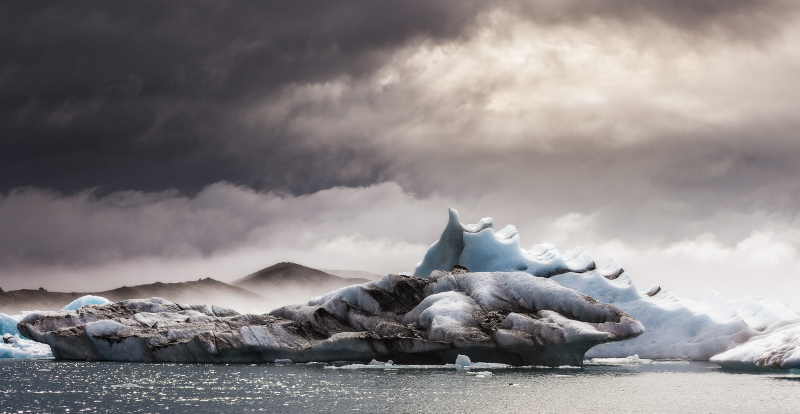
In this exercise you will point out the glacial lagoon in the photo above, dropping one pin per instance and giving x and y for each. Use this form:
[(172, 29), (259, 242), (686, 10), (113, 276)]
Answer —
[(54, 386)]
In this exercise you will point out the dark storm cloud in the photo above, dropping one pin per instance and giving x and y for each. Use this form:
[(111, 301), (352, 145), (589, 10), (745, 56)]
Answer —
[(741, 19), (147, 95), (662, 133)]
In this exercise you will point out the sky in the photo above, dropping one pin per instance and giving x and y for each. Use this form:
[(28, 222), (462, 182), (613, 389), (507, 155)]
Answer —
[(168, 141)]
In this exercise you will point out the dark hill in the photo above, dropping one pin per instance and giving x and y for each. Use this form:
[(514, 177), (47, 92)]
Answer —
[(293, 273), (208, 291), (356, 274), (293, 280), (194, 291)]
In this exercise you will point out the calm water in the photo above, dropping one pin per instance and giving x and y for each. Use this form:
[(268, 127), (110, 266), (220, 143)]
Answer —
[(58, 386)]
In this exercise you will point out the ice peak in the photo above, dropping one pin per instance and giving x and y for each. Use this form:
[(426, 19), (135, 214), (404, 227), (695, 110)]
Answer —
[(478, 248)]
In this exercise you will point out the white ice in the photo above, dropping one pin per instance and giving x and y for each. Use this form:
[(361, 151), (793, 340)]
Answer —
[(631, 360), (14, 346), (478, 248), (8, 324), (778, 349), (462, 363), (86, 300), (455, 305), (676, 328)]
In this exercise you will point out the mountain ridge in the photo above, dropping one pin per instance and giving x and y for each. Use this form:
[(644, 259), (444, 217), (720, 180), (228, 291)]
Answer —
[(202, 290)]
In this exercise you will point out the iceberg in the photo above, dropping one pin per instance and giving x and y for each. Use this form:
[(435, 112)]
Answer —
[(14, 346), (500, 317), (631, 360), (676, 328), (778, 349), (86, 300)]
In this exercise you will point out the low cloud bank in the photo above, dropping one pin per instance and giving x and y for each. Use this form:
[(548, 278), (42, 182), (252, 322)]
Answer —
[(73, 242)]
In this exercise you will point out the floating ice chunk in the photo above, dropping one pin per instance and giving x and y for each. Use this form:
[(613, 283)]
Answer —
[(779, 349), (12, 346), (631, 360), (86, 300), (463, 362)]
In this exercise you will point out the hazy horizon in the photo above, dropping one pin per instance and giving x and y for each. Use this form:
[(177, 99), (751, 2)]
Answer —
[(183, 140)]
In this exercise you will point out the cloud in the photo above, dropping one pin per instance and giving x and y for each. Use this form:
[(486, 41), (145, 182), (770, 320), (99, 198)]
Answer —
[(151, 97), (85, 241), (225, 231), (741, 19), (201, 135), (146, 97), (568, 120)]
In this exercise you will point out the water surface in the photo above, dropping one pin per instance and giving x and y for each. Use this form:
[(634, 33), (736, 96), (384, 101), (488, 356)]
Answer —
[(66, 386)]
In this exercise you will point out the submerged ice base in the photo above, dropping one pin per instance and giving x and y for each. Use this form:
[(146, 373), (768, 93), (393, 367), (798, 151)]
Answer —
[(512, 318)]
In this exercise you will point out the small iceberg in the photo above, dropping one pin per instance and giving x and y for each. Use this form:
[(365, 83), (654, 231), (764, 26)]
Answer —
[(86, 300)]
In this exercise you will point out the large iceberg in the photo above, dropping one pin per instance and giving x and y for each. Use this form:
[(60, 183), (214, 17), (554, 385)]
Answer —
[(513, 318), (675, 327)]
